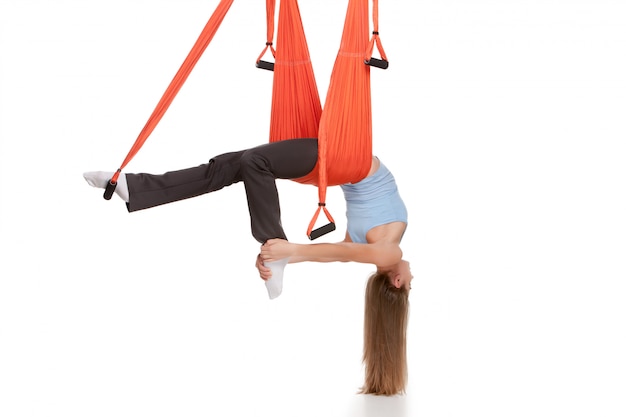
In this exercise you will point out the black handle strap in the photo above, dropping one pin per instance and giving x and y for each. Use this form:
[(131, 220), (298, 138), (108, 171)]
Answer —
[(378, 63), (109, 190), (265, 65), (321, 231)]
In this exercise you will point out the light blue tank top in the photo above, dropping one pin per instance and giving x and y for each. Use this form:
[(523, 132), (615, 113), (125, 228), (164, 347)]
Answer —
[(371, 202)]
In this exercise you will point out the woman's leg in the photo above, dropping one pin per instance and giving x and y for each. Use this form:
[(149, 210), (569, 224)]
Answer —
[(149, 190), (260, 167), (257, 167)]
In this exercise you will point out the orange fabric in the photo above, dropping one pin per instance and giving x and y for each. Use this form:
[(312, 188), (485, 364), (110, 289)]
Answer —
[(296, 105), (345, 128), (179, 79), (375, 37), (346, 124)]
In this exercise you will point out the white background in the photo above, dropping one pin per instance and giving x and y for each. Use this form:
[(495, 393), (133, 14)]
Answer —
[(503, 122)]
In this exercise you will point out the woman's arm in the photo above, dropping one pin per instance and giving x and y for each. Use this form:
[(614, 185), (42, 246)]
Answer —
[(380, 254)]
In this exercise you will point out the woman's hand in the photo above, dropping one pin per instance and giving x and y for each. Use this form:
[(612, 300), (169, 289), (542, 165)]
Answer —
[(264, 271), (276, 249)]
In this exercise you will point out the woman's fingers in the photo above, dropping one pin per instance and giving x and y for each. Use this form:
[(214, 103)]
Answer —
[(264, 272)]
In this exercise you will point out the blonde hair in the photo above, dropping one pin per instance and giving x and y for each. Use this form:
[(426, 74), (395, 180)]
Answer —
[(384, 337)]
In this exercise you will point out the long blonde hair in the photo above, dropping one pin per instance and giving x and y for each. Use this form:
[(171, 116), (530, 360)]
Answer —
[(384, 337)]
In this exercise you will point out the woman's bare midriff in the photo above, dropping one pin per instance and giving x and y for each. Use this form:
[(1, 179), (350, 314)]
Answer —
[(390, 232), (374, 166)]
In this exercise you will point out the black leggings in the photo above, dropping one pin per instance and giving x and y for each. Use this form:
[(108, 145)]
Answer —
[(257, 167)]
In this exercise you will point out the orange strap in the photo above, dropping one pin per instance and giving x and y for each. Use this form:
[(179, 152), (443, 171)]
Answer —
[(296, 106), (270, 6), (375, 36), (179, 79)]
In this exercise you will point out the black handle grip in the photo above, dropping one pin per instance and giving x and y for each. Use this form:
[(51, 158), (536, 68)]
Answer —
[(265, 65), (378, 63), (109, 190), (322, 231)]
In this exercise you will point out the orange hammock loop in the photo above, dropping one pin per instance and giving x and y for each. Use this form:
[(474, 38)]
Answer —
[(269, 44)]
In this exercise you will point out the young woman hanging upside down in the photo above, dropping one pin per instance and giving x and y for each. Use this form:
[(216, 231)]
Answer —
[(376, 221)]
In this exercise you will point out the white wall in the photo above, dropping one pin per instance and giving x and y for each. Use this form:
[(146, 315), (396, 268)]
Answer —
[(502, 122)]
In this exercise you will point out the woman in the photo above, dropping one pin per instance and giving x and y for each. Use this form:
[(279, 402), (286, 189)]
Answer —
[(377, 219)]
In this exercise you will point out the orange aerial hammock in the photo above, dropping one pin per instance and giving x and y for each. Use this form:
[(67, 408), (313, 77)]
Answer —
[(343, 127)]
